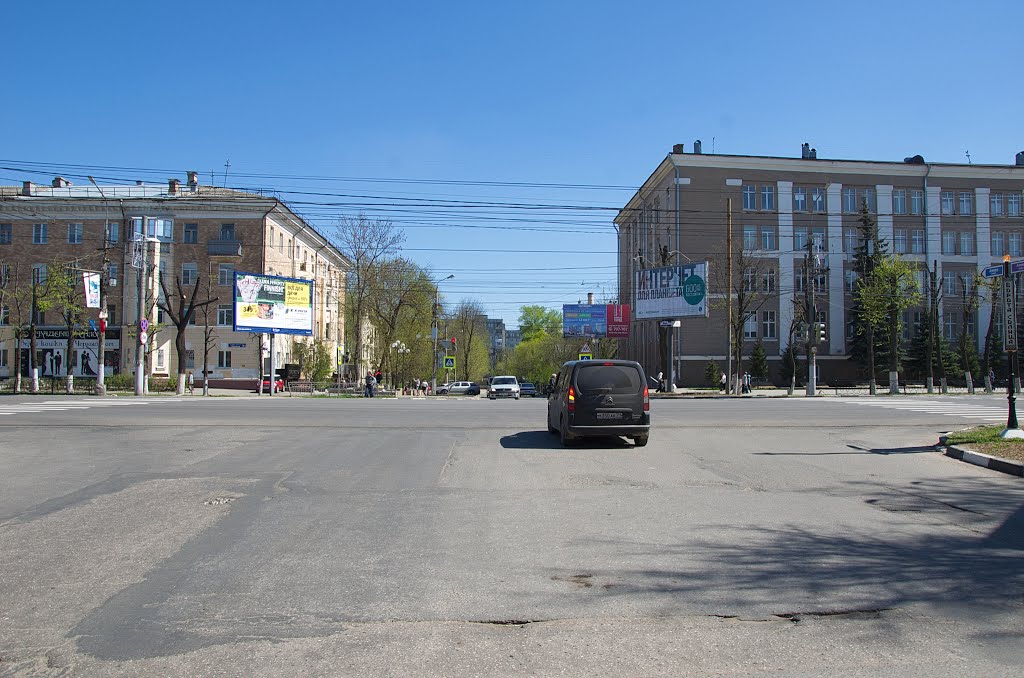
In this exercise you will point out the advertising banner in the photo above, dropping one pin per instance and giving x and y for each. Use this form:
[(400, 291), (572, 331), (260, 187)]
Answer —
[(92, 289), (595, 320), (672, 292), (273, 304)]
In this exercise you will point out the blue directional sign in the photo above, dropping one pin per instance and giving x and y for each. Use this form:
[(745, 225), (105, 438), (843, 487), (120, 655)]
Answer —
[(997, 270)]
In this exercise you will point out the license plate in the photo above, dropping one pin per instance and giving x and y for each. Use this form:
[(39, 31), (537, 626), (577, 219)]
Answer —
[(609, 415)]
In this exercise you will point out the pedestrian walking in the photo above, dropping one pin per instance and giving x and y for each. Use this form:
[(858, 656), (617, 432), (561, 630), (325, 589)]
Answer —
[(746, 382), (370, 382), (191, 383), (722, 382)]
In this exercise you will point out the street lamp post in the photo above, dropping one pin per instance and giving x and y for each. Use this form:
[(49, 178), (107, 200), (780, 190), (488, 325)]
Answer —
[(101, 382), (433, 355)]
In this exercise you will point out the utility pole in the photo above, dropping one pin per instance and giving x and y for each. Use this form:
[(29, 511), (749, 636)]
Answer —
[(101, 384), (810, 274), (142, 321), (728, 293)]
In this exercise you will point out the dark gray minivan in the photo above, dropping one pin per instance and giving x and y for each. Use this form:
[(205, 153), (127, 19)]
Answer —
[(600, 398)]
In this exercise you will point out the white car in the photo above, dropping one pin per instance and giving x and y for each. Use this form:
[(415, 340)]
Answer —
[(503, 387)]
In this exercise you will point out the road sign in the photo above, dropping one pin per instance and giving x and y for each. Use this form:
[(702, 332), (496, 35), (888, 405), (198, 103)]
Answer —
[(143, 325), (1009, 316), (144, 338), (996, 271), (585, 348), (92, 324), (449, 362), (586, 356)]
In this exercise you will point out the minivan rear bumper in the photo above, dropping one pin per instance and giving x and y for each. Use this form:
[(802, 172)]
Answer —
[(621, 430)]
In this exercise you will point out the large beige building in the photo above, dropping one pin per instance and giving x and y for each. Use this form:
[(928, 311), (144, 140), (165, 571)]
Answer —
[(958, 218), (195, 233)]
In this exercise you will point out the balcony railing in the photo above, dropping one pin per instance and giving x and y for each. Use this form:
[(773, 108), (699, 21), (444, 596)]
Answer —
[(224, 248)]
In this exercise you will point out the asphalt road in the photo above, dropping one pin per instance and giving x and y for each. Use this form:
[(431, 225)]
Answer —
[(305, 536)]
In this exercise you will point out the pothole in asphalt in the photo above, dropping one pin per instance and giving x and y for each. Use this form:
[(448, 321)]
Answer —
[(581, 580), (219, 501)]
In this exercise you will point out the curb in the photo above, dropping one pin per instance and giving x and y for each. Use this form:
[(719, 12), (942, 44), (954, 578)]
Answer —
[(1012, 468)]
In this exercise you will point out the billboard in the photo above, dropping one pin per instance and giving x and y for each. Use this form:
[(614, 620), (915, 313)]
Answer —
[(671, 292), (272, 304), (595, 320)]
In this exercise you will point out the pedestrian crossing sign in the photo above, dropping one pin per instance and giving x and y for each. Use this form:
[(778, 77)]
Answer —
[(449, 362)]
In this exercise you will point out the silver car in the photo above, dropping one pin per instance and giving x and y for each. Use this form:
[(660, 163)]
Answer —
[(503, 387)]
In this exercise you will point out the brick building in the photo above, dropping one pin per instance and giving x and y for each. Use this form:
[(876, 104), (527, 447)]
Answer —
[(957, 217), (195, 233)]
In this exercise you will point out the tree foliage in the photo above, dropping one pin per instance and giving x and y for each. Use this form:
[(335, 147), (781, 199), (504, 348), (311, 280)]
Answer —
[(535, 321)]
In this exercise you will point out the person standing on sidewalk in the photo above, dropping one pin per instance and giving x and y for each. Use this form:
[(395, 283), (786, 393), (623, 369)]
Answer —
[(191, 383), (722, 382)]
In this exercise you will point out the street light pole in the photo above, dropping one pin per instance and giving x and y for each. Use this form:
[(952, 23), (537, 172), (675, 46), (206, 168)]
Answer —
[(433, 355), (101, 382)]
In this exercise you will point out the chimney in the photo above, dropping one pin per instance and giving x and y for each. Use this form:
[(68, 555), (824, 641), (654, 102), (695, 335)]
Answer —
[(193, 181), (805, 151), (138, 182), (60, 182), (590, 297), (172, 186), (1020, 159), (696, 147), (679, 149), (26, 188)]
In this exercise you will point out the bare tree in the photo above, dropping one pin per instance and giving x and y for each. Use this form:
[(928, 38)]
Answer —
[(14, 302), (366, 243), (209, 331), (181, 313), (63, 280), (470, 327)]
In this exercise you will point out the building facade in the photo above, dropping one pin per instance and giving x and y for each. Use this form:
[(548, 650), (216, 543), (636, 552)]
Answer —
[(954, 219), (198, 235)]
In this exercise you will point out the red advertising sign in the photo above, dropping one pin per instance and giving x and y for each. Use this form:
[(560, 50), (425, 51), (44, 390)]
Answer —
[(618, 320)]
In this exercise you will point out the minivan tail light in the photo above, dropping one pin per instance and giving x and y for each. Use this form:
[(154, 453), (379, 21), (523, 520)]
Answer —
[(572, 400), (647, 400)]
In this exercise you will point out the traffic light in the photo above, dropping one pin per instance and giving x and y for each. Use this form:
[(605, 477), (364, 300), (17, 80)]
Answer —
[(453, 344), (821, 332), (801, 332)]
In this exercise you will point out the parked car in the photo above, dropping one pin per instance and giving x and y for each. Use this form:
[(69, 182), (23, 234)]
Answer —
[(527, 388), (600, 398), (459, 388), (503, 387), (278, 384)]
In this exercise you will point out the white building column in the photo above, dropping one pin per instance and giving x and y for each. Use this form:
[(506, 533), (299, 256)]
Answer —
[(836, 301), (786, 281), (983, 243)]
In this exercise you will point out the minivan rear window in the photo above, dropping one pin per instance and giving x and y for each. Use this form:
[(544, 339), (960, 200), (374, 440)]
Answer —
[(598, 378)]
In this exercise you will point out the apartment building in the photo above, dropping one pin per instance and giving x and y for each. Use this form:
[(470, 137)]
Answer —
[(192, 233), (957, 218)]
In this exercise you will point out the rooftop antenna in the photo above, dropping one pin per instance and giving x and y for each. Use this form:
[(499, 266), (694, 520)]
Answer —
[(712, 145), (227, 166), (968, 154), (212, 175)]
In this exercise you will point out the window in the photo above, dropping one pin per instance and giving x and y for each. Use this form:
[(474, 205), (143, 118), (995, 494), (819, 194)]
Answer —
[(851, 238), (189, 273), (851, 281), (768, 238), (3, 358), (749, 280), (112, 274), (949, 283), (917, 241), (800, 280), (899, 201), (190, 359), (750, 237), (969, 325), (996, 204), (949, 242), (1013, 205), (223, 358), (923, 282), (799, 199), (818, 199), (159, 315), (112, 229), (997, 244), (160, 359), (966, 242), (849, 200), (5, 234), (768, 197), (821, 283), (800, 238), (39, 234), (227, 231), (225, 314), (966, 202), (74, 234), (5, 315), (900, 241), (947, 202), (769, 280), (965, 283), (280, 243), (1015, 249), (818, 238), (749, 197), (39, 274), (750, 326), (769, 325), (226, 274), (191, 234), (160, 228), (867, 198), (111, 313), (39, 317), (949, 326), (917, 202), (5, 275)]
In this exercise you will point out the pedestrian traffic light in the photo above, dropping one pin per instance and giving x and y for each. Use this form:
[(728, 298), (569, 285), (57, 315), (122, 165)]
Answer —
[(821, 331), (453, 343)]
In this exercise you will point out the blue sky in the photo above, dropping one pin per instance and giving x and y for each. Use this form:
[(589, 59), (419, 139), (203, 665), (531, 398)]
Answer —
[(468, 102)]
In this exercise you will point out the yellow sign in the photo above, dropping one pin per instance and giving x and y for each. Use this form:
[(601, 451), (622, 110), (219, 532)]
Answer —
[(449, 362), (296, 294), (586, 356)]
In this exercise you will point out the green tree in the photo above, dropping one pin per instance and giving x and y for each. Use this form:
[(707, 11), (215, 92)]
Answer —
[(316, 359), (794, 368), (870, 325), (919, 353), (759, 362), (537, 320), (881, 298), (63, 280), (712, 373), (468, 325)]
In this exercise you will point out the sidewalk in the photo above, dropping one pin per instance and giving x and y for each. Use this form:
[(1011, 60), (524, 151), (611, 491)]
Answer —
[(821, 392)]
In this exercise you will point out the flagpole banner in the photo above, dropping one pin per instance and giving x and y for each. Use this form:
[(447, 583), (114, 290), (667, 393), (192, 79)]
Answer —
[(91, 282)]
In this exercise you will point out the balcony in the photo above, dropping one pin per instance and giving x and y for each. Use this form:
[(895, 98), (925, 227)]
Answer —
[(224, 248)]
